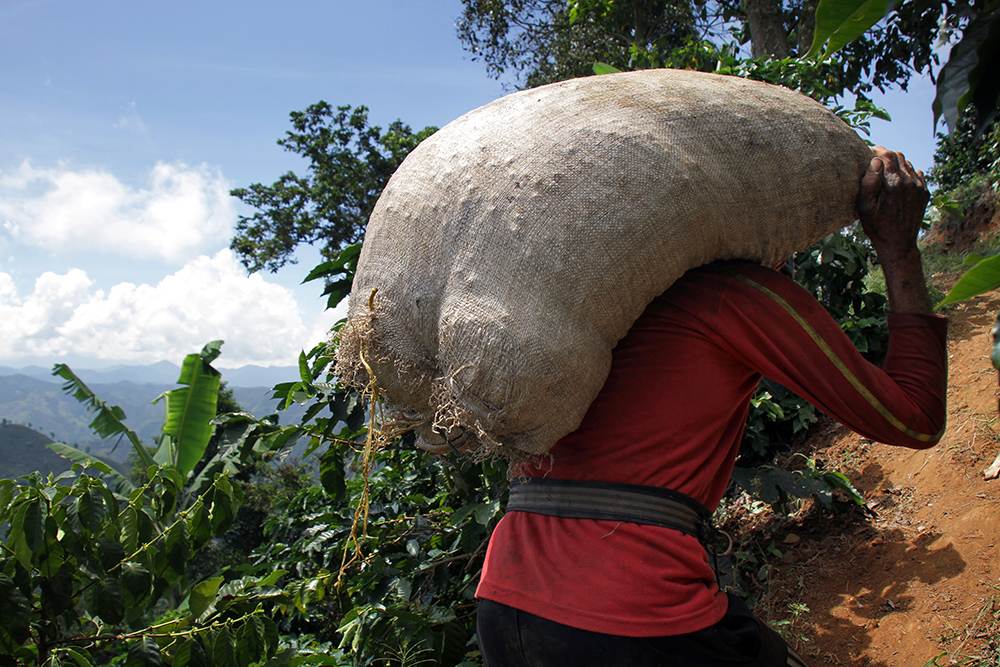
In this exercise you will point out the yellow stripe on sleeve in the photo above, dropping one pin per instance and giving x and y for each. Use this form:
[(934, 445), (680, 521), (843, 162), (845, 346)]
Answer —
[(851, 378)]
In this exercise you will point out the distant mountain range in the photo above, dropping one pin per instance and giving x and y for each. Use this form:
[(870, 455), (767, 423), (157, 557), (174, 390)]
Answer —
[(162, 372), (39, 403), (24, 450)]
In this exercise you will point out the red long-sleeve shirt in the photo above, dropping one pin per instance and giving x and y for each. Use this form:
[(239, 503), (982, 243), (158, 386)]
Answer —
[(672, 414)]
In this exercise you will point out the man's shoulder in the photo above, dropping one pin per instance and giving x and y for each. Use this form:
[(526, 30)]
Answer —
[(729, 273), (738, 283)]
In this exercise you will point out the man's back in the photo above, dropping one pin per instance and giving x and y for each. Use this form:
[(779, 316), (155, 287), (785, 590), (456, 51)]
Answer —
[(671, 415)]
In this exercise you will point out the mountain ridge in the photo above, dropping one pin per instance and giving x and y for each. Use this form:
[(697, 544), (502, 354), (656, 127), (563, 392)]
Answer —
[(42, 406), (160, 372)]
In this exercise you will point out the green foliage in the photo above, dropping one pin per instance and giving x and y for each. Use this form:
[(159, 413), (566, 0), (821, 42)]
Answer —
[(87, 461), (777, 486), (411, 589), (981, 278), (839, 22), (777, 419), (348, 165), (188, 426), (533, 42), (24, 450), (338, 273), (107, 418), (835, 271), (969, 76), (965, 154), (84, 567), (92, 567), (541, 41)]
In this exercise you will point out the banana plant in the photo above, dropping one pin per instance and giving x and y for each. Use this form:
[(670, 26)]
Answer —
[(187, 429)]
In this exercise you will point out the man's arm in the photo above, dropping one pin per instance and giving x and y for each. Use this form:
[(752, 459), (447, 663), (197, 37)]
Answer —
[(891, 205), (782, 332)]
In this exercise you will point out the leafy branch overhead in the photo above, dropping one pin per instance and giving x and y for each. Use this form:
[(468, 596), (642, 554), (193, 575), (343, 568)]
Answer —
[(349, 162), (969, 76)]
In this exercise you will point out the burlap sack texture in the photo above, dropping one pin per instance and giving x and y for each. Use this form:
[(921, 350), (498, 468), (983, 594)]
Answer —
[(514, 248)]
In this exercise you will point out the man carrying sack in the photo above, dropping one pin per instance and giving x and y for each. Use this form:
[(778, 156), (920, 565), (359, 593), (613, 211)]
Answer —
[(601, 558)]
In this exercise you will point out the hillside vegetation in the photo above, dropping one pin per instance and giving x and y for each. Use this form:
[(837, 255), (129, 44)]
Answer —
[(24, 450), (46, 408)]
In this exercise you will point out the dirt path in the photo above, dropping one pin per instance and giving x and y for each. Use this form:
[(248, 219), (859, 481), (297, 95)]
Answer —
[(922, 578)]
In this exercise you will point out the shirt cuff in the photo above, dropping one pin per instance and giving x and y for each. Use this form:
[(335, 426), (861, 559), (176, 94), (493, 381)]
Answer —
[(939, 323)]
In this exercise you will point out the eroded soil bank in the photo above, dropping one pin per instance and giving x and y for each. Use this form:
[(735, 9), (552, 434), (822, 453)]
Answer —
[(921, 579)]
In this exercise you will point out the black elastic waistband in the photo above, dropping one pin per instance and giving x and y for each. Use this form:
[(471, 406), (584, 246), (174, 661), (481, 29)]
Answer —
[(611, 501)]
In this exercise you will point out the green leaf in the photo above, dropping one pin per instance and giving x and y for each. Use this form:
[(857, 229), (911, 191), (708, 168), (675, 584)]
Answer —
[(190, 410), (166, 452), (982, 277), (137, 582), (270, 636), (34, 534), (604, 68), (90, 509), (109, 418), (249, 642), (574, 11), (332, 473), (969, 76), (86, 460), (199, 524), (211, 351), (15, 610), (840, 22), (178, 549), (143, 653), (129, 522), (838, 480), (221, 512), (337, 290), (16, 540), (203, 595), (342, 263), (80, 658), (104, 599), (7, 489), (223, 654), (304, 371)]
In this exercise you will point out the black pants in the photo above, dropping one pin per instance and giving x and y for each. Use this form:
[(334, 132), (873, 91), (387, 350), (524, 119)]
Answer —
[(509, 637)]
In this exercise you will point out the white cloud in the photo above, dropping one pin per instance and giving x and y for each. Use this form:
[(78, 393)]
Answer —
[(179, 211), (210, 297)]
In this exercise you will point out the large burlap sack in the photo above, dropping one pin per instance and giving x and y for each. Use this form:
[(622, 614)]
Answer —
[(514, 248)]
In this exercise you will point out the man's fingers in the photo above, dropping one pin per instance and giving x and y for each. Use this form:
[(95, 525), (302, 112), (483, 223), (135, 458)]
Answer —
[(906, 167), (871, 185), (891, 161), (921, 179)]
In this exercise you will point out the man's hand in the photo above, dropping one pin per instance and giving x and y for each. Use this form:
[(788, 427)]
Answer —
[(891, 204)]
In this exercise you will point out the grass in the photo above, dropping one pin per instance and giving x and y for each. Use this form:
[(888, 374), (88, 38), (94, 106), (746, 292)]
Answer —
[(978, 644), (790, 627)]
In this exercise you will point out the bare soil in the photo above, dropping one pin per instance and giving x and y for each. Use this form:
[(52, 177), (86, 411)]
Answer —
[(920, 580), (959, 233)]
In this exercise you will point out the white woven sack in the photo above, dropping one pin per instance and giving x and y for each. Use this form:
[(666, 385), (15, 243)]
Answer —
[(516, 246)]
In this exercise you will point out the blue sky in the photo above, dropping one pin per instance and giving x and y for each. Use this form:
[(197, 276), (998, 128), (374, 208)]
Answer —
[(125, 123)]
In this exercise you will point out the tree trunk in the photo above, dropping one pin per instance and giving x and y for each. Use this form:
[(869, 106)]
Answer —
[(806, 25), (767, 28)]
